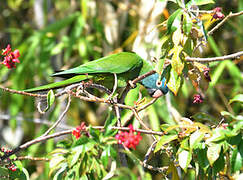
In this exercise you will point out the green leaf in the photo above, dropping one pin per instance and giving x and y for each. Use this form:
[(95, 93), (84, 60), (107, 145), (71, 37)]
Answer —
[(201, 155), (50, 100), (177, 64), (202, 117), (60, 172), (199, 2), (185, 144), (174, 82), (195, 138), (95, 133), (213, 152), (187, 23), (105, 156), (110, 121), (80, 141), (3, 171), (237, 98), (58, 25), (164, 140), (236, 161), (172, 169), (184, 159), (225, 113), (174, 21), (219, 164), (76, 152)]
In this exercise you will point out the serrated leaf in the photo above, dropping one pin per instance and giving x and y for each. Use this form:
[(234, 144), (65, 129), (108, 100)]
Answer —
[(213, 153), (177, 63), (237, 98), (195, 138), (164, 140), (187, 24), (184, 159), (174, 21), (174, 82)]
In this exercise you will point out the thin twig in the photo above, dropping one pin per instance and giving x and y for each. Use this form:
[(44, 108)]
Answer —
[(159, 169), (30, 158), (223, 21), (150, 150), (136, 80), (115, 85), (140, 109), (60, 117), (54, 135), (35, 141), (212, 59)]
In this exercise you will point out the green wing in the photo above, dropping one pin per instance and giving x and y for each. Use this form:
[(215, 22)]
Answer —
[(60, 84), (115, 63)]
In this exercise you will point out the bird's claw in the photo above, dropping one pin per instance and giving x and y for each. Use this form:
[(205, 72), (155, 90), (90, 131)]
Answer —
[(132, 85)]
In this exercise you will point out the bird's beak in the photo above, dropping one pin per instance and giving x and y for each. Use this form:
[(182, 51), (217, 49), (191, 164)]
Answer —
[(158, 93), (155, 93)]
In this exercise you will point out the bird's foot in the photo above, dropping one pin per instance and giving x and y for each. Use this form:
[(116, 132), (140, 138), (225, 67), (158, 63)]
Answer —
[(132, 85)]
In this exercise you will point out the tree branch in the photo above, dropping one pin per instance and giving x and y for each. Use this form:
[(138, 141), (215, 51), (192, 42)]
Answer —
[(212, 59), (223, 21)]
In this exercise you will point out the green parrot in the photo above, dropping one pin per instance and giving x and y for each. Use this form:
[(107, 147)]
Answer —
[(126, 65)]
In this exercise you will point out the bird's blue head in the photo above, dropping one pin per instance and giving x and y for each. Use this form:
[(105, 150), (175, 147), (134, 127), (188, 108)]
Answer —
[(155, 87)]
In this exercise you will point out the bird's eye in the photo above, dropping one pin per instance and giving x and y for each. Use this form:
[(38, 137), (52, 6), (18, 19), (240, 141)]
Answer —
[(158, 83)]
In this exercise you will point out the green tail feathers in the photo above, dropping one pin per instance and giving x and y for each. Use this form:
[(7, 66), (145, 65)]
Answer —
[(75, 79)]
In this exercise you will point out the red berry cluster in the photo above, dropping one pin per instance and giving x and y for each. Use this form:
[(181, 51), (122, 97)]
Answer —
[(197, 99), (10, 166), (78, 130), (217, 13), (11, 58), (224, 125), (129, 139)]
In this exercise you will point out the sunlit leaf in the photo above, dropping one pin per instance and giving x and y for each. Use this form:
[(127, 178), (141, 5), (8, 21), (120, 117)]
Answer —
[(177, 63), (174, 21), (195, 138), (238, 117), (164, 140), (174, 82), (185, 158), (236, 160), (213, 152), (237, 98), (199, 2), (187, 24)]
